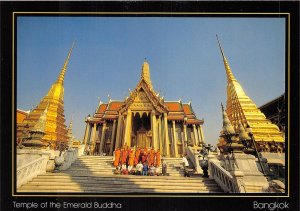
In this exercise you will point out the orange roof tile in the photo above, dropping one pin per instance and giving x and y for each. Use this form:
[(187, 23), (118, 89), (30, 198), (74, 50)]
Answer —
[(173, 106), (115, 105), (176, 117), (102, 108), (187, 109)]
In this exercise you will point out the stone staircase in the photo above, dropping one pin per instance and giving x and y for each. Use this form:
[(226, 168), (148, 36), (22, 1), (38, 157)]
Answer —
[(93, 174), (175, 167)]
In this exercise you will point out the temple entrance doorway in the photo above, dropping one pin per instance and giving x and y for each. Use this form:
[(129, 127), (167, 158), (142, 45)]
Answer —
[(142, 134)]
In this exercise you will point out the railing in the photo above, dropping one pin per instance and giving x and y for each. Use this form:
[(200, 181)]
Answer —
[(30, 170), (193, 156), (69, 157), (225, 180)]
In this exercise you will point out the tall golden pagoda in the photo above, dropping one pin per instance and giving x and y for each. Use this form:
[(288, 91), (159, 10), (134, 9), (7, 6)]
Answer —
[(241, 109), (55, 128)]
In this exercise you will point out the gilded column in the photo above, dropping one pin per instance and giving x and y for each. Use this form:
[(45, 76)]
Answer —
[(160, 138), (86, 134), (102, 141), (154, 129), (198, 134), (201, 134), (195, 135), (166, 135), (128, 129), (184, 141), (93, 138), (118, 138), (174, 140), (112, 141), (185, 136)]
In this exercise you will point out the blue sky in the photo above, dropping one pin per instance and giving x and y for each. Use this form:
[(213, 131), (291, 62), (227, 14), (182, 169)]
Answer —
[(185, 61)]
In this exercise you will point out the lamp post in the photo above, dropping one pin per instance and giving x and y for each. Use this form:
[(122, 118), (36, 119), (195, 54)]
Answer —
[(249, 130)]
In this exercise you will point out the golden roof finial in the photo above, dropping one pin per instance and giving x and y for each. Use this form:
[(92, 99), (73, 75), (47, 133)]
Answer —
[(230, 76), (146, 72), (71, 122), (64, 68)]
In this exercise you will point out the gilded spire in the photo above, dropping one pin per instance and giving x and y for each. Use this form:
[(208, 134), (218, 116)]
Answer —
[(70, 133), (55, 129), (71, 123), (61, 76), (146, 73), (230, 76), (240, 110)]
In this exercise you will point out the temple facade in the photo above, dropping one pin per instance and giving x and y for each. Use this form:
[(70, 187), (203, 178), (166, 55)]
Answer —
[(143, 119), (241, 110), (55, 130)]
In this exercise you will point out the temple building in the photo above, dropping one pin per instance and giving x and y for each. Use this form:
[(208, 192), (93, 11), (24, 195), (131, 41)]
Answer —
[(241, 109), (143, 119), (55, 130)]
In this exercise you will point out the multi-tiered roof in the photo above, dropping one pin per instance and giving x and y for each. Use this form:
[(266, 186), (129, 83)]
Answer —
[(176, 110)]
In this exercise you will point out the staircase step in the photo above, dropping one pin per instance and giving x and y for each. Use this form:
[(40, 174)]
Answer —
[(94, 174), (112, 191)]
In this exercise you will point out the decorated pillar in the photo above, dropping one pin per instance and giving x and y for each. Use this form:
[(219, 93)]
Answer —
[(185, 136), (86, 134), (160, 137), (154, 130), (93, 138), (184, 142), (198, 134), (102, 141), (112, 141), (166, 135), (174, 140), (201, 133), (195, 135), (128, 129), (118, 136)]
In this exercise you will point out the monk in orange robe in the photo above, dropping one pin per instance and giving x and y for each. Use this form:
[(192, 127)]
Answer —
[(117, 157), (157, 158), (151, 157), (131, 158), (124, 155), (137, 156), (144, 155)]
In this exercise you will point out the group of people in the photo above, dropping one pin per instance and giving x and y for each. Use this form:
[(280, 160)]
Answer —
[(138, 161)]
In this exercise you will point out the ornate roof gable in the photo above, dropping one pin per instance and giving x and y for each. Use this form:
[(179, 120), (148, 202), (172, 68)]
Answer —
[(143, 96)]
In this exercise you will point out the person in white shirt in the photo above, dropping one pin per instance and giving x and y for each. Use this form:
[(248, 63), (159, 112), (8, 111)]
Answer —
[(185, 166), (139, 168), (152, 170), (129, 168)]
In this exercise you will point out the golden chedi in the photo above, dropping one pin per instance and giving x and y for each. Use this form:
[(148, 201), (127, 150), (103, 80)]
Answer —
[(55, 130), (241, 109)]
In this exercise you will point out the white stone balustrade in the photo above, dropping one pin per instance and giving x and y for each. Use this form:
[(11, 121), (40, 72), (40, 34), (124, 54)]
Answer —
[(31, 169), (224, 179), (193, 155), (69, 157)]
